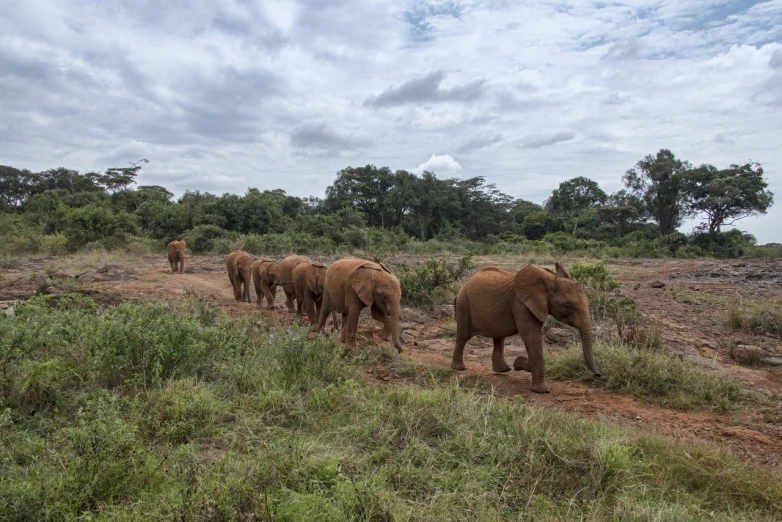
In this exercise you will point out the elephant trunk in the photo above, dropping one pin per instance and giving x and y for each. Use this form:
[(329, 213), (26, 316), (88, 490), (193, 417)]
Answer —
[(394, 324), (586, 341)]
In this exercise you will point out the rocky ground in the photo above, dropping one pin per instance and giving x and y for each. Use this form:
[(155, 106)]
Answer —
[(687, 299)]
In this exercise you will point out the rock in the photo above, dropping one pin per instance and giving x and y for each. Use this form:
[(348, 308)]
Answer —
[(108, 273), (657, 284), (747, 354), (772, 361), (9, 311)]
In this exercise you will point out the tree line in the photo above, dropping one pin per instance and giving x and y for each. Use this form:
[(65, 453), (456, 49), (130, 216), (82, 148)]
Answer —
[(658, 193)]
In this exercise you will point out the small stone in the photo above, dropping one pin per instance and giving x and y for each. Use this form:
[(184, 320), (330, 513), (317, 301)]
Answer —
[(9, 311), (657, 284)]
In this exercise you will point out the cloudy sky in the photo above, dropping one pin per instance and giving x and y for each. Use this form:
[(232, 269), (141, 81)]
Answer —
[(222, 96)]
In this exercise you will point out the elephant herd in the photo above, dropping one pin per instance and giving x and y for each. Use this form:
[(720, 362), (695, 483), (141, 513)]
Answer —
[(346, 287), (492, 303)]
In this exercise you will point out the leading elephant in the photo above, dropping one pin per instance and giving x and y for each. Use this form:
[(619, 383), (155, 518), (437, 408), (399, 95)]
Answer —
[(353, 284), (266, 277), (239, 266), (176, 256), (286, 275), (496, 303)]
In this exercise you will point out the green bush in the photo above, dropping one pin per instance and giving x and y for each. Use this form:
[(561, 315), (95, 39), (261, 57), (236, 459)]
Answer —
[(202, 238), (433, 281)]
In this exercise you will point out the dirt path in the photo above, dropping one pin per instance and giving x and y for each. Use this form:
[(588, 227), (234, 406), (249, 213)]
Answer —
[(689, 308)]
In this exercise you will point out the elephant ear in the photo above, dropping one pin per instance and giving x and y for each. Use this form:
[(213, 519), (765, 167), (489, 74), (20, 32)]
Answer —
[(530, 288), (384, 267), (561, 272), (363, 283)]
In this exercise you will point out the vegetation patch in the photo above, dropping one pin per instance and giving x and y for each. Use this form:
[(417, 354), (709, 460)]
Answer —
[(652, 377), (200, 416), (761, 318), (433, 281)]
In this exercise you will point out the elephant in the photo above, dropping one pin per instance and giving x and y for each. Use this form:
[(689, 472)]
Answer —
[(176, 255), (286, 275), (239, 266), (352, 284), (266, 277), (496, 303), (309, 279)]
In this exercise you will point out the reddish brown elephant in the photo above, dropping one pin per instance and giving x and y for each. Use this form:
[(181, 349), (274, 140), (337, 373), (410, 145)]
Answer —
[(239, 266), (353, 284), (496, 303), (266, 277), (176, 256), (286, 278)]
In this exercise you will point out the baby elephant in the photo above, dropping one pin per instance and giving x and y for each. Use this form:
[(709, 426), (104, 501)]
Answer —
[(176, 255), (286, 275), (239, 267), (308, 280), (353, 284), (496, 303), (266, 277)]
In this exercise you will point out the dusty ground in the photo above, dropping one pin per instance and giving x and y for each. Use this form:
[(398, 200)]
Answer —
[(690, 310)]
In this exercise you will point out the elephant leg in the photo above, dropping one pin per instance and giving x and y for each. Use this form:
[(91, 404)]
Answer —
[(463, 334), (173, 268), (378, 315), (268, 293), (343, 336), (352, 327), (533, 341), (498, 363), (181, 266), (317, 309), (289, 300)]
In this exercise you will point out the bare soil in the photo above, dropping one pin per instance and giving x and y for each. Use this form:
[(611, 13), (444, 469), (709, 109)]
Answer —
[(690, 309)]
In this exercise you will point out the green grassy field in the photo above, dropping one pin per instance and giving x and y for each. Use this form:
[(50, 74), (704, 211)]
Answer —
[(158, 410)]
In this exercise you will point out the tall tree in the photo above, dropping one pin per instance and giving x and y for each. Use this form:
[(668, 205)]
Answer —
[(574, 197), (363, 188), (15, 186), (657, 181), (724, 196)]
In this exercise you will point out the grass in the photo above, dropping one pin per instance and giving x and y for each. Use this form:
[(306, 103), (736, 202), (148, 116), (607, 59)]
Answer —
[(156, 410), (650, 376), (757, 318)]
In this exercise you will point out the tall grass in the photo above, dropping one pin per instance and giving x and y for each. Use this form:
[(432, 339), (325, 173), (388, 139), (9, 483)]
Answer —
[(203, 417)]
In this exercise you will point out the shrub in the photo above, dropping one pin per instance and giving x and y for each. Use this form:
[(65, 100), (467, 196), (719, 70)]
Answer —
[(202, 238), (760, 318), (434, 281)]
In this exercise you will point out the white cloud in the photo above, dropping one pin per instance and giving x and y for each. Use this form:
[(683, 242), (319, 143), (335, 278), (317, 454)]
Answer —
[(444, 166), (243, 93)]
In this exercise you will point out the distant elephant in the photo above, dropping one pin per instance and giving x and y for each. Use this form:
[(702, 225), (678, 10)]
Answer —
[(352, 284), (266, 277), (239, 266), (496, 303), (176, 255), (286, 275)]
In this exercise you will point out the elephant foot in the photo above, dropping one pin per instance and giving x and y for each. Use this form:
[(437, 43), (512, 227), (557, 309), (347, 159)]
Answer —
[(540, 388), (458, 366), (521, 363), (386, 336), (501, 368)]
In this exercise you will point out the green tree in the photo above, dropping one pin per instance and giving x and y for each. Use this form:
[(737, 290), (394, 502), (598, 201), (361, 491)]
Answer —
[(15, 187), (574, 197), (538, 224), (724, 196), (657, 181), (363, 188)]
